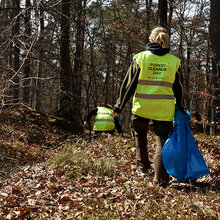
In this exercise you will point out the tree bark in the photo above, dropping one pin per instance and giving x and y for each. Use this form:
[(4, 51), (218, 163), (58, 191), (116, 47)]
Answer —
[(170, 16), (39, 92), (27, 67), (162, 13), (148, 14), (187, 75), (215, 55), (78, 58), (15, 33), (65, 63)]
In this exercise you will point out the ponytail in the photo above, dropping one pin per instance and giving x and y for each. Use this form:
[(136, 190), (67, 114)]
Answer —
[(159, 35)]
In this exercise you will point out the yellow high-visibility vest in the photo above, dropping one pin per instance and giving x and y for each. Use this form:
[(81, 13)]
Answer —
[(154, 97), (104, 121)]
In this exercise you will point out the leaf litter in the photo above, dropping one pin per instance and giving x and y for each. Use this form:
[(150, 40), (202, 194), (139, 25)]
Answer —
[(79, 179)]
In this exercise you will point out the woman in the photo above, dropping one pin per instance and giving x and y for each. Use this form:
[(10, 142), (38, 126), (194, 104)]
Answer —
[(156, 84)]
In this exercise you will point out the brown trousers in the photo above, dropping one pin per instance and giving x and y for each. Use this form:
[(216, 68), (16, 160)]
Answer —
[(162, 130)]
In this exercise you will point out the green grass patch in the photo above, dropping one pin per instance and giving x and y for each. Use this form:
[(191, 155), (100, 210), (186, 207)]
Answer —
[(77, 161)]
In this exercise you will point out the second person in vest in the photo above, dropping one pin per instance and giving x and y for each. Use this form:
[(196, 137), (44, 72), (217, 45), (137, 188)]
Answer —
[(156, 84), (104, 120)]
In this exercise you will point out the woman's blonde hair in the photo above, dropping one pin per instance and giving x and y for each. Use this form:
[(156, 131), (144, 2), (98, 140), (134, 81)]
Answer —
[(159, 35)]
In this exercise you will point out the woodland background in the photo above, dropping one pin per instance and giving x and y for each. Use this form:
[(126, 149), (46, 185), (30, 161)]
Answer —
[(69, 56), (63, 58)]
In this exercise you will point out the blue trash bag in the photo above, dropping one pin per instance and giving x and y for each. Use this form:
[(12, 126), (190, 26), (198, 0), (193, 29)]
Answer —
[(180, 154)]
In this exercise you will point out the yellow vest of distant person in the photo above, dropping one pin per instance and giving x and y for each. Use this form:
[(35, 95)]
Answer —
[(104, 121), (154, 97)]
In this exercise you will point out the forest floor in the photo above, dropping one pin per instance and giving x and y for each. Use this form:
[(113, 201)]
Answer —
[(48, 173)]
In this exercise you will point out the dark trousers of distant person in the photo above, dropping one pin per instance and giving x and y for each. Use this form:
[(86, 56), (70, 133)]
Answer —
[(162, 130)]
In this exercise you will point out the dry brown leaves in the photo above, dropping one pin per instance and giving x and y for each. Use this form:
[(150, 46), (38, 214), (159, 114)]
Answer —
[(100, 190)]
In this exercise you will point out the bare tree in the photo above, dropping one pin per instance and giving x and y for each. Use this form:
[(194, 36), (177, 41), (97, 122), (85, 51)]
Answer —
[(27, 67), (162, 12), (39, 92), (85, 49), (148, 17), (170, 16), (215, 56), (65, 63), (80, 13), (15, 33)]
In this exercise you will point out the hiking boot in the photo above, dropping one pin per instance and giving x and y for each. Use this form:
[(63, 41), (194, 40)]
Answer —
[(162, 183), (143, 170)]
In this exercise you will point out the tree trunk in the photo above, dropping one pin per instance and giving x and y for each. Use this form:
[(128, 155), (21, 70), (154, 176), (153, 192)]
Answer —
[(206, 92), (27, 68), (111, 97), (170, 16), (187, 76), (15, 33), (78, 59), (162, 13), (148, 15), (65, 63), (39, 90), (215, 55)]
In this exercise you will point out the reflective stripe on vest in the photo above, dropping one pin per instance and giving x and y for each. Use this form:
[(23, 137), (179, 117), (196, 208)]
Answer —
[(154, 98), (104, 120), (111, 120), (155, 83), (147, 96)]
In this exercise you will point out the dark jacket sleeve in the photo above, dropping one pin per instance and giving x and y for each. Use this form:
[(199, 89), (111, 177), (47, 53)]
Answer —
[(117, 125), (179, 92), (91, 113), (128, 87)]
